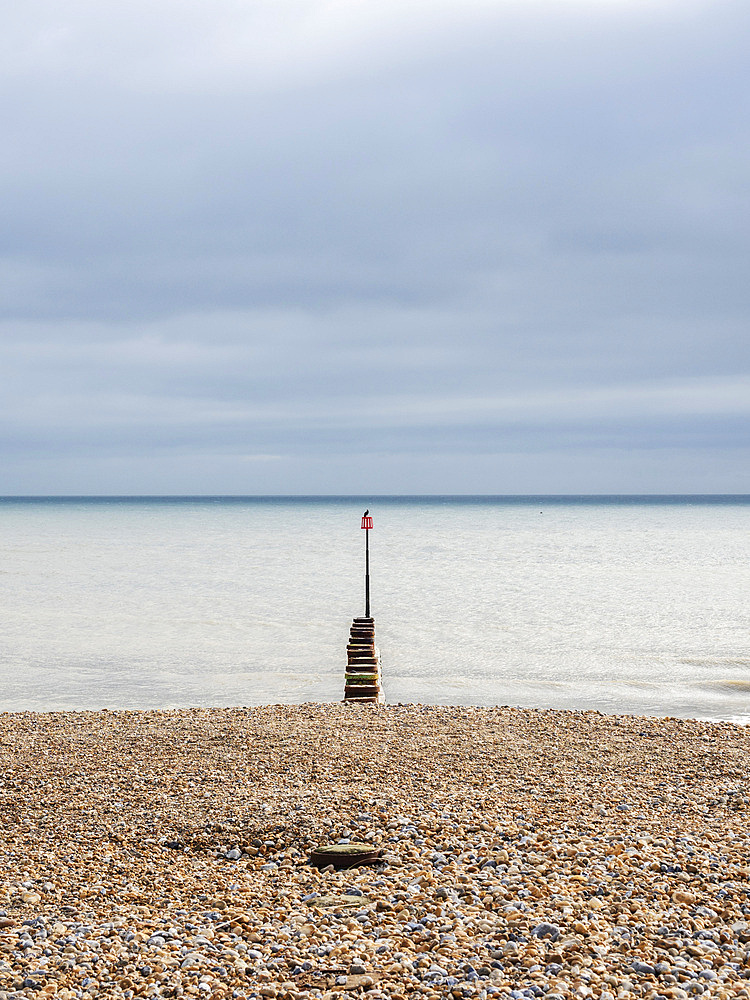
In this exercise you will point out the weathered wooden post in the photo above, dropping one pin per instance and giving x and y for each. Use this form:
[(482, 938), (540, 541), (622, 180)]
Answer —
[(362, 681)]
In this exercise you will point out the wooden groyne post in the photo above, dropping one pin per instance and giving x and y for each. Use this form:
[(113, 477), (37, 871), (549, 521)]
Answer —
[(362, 682)]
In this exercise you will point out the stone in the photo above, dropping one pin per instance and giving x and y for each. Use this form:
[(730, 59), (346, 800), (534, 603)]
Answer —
[(546, 930)]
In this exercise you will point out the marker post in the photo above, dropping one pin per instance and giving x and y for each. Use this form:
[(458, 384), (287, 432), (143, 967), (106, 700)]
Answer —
[(367, 526)]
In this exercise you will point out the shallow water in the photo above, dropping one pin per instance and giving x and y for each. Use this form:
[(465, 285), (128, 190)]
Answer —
[(616, 604)]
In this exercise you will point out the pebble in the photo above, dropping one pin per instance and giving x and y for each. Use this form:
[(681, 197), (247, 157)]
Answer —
[(545, 930), (501, 880)]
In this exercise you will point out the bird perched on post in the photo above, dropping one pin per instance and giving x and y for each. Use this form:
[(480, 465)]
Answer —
[(366, 512)]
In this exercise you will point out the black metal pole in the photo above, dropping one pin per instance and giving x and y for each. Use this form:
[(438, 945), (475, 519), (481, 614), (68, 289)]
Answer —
[(367, 572)]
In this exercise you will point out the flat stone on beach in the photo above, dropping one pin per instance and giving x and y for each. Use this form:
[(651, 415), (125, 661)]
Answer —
[(344, 855)]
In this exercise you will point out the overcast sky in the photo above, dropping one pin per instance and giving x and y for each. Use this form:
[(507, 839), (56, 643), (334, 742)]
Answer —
[(375, 246)]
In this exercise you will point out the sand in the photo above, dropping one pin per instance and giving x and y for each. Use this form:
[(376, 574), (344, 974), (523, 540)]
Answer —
[(523, 853)]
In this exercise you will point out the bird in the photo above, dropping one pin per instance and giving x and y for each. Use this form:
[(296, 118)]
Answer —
[(366, 512)]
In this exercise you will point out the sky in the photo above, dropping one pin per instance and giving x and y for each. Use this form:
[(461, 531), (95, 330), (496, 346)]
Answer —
[(372, 247)]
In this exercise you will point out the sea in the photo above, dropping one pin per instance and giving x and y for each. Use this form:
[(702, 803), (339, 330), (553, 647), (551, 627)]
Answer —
[(620, 604)]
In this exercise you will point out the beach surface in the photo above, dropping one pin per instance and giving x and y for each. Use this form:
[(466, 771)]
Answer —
[(524, 853)]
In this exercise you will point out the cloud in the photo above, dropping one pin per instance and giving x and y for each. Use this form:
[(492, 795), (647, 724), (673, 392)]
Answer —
[(280, 228)]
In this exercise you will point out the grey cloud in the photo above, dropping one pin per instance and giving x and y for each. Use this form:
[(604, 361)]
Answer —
[(292, 225)]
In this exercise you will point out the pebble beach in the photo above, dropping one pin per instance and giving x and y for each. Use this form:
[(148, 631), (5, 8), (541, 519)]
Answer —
[(521, 853)]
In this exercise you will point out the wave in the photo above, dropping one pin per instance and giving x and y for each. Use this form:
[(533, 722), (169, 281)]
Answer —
[(729, 684), (728, 661)]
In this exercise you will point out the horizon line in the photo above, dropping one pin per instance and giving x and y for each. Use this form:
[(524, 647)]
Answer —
[(353, 496)]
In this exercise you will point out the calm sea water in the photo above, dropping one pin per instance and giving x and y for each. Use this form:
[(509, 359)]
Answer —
[(635, 605)]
